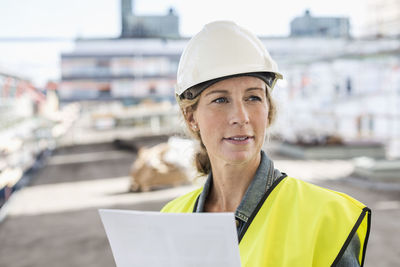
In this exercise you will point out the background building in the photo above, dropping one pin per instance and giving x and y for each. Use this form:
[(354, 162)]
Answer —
[(354, 97), (350, 90), (141, 63), (308, 25), (128, 69), (134, 26), (383, 18)]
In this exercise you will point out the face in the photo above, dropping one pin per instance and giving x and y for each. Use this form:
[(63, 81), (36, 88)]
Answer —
[(232, 117)]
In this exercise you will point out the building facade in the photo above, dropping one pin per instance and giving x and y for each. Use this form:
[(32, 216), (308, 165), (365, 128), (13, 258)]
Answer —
[(308, 25), (120, 69), (353, 93)]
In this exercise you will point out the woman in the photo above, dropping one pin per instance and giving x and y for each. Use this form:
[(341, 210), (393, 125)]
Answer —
[(225, 78)]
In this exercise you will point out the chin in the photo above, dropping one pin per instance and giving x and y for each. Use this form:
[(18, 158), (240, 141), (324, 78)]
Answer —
[(239, 157)]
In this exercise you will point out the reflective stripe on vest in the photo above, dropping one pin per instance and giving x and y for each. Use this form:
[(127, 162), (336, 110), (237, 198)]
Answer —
[(296, 224)]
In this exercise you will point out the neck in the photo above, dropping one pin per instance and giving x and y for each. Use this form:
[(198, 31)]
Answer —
[(230, 182)]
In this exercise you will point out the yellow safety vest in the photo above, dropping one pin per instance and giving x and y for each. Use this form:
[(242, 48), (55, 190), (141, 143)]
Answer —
[(296, 224)]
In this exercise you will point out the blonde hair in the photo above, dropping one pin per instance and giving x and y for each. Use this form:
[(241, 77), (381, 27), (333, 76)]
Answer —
[(188, 106)]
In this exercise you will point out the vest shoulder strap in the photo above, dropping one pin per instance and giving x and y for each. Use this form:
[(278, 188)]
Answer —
[(183, 204)]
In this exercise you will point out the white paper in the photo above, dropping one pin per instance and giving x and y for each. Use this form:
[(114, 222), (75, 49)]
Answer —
[(148, 239)]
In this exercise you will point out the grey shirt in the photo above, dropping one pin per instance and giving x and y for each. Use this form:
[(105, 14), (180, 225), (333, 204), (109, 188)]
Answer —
[(264, 178)]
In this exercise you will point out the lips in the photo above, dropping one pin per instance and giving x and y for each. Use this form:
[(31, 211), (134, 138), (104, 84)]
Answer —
[(239, 139)]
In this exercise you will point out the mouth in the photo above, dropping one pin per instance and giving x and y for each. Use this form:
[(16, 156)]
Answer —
[(239, 138)]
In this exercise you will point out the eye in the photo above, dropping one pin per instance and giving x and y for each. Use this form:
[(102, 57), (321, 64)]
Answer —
[(254, 98), (220, 100)]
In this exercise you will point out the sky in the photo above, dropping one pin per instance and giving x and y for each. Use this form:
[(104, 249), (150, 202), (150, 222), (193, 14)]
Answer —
[(94, 18), (101, 18)]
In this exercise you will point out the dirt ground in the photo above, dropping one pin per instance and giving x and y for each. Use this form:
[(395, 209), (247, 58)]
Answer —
[(54, 221)]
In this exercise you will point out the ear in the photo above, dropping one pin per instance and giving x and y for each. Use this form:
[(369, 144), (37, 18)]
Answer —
[(190, 117)]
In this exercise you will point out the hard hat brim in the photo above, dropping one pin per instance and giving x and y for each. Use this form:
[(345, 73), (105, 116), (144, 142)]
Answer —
[(269, 78)]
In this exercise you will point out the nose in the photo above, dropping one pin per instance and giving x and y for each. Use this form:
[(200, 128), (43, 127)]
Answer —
[(239, 114)]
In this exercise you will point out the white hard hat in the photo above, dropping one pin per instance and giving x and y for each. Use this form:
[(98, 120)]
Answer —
[(223, 49)]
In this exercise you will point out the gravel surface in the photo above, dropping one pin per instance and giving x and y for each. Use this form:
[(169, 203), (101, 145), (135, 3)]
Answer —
[(54, 221)]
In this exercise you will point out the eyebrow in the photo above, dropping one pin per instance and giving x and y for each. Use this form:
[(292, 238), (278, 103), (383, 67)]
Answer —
[(226, 91)]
